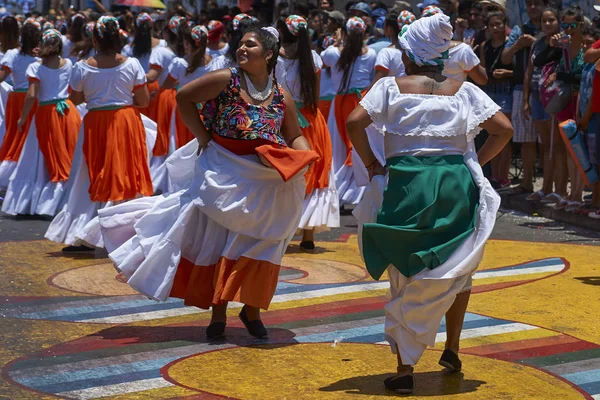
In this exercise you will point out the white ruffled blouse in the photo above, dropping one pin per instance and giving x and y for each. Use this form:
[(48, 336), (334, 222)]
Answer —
[(423, 124)]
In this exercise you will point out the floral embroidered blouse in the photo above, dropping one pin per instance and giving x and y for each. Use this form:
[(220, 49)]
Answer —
[(230, 116)]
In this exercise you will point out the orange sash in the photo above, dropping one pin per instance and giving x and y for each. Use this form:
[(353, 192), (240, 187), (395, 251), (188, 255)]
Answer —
[(317, 135), (57, 136), (115, 151), (344, 104), (14, 140)]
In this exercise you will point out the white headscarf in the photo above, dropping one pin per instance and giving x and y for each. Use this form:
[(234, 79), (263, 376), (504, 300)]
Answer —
[(427, 40)]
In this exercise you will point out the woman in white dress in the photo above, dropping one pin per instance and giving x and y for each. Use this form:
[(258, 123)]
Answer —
[(14, 65), (389, 60), (9, 39), (428, 212), (75, 34), (111, 159), (298, 71), (351, 64), (38, 184), (219, 240)]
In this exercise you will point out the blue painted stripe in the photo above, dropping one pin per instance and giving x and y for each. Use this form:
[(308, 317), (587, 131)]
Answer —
[(583, 377), (90, 383), (63, 312), (592, 388), (286, 287), (65, 379), (135, 310), (375, 338), (542, 263), (478, 323), (343, 335)]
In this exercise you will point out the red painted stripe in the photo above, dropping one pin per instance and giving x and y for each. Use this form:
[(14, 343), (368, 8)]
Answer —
[(496, 286), (543, 351), (519, 345)]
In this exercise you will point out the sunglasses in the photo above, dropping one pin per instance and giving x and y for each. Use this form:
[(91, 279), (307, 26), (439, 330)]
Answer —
[(572, 25)]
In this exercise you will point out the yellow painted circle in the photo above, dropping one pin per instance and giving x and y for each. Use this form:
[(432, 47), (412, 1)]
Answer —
[(100, 280), (320, 271), (320, 371)]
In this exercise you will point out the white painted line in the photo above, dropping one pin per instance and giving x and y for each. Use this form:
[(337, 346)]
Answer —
[(515, 272), (118, 389), (488, 331), (145, 316)]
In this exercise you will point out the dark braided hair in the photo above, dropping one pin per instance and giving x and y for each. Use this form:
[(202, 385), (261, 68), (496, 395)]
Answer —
[(30, 39), (236, 35), (353, 45)]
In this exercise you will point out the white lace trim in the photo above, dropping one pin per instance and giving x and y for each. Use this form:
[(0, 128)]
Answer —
[(473, 128)]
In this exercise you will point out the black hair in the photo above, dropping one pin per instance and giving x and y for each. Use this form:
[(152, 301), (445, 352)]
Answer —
[(465, 6), (573, 11), (348, 5), (591, 31), (301, 9), (175, 40), (268, 42), (52, 47), (497, 14), (553, 11), (391, 20), (10, 33), (76, 28), (198, 55), (477, 6), (30, 39), (352, 50), (110, 41), (235, 35), (142, 40), (303, 53)]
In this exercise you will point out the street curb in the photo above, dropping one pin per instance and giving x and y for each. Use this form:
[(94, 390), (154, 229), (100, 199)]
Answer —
[(518, 202)]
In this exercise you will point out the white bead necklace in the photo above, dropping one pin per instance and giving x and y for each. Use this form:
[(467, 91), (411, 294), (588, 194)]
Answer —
[(255, 94)]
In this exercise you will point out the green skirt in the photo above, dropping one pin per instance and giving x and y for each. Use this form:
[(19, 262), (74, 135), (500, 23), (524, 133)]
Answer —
[(429, 209)]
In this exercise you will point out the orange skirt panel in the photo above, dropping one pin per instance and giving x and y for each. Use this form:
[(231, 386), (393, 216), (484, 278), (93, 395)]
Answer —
[(152, 110), (57, 136), (115, 151), (246, 281), (317, 135), (344, 104), (14, 140), (183, 134), (324, 107), (165, 106)]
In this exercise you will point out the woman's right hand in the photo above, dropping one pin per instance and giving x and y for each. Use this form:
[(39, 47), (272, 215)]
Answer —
[(526, 110), (376, 169), (203, 141), (555, 40)]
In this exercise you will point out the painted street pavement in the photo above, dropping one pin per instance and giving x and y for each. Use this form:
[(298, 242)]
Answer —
[(72, 329)]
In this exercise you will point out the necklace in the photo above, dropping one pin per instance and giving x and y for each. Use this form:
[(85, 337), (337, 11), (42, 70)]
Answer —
[(259, 95)]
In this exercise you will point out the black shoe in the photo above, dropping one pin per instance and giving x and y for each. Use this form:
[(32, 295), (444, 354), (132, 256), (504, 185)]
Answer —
[(78, 250), (307, 245), (450, 360), (215, 330), (255, 328), (400, 384)]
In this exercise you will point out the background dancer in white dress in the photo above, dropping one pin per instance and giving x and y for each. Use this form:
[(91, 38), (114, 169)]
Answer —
[(9, 39), (298, 71), (351, 64), (216, 46), (75, 34), (235, 32), (436, 209), (14, 64), (38, 184), (389, 60), (114, 141), (210, 251)]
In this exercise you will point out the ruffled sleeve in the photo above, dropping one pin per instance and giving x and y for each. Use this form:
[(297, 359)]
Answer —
[(377, 100), (481, 108)]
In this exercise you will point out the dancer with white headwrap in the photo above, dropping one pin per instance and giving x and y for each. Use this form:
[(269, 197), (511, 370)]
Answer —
[(428, 212)]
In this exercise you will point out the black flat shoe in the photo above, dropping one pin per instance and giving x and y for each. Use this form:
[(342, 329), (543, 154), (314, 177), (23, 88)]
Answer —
[(215, 330), (78, 250), (255, 328), (307, 245), (400, 384), (450, 360)]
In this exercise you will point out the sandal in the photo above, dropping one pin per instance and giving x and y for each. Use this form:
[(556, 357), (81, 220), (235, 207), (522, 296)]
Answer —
[(404, 384), (573, 205), (595, 214), (552, 198), (518, 190), (451, 361), (561, 205), (308, 245), (537, 196)]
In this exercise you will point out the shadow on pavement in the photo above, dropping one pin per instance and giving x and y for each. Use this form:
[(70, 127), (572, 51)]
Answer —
[(432, 383)]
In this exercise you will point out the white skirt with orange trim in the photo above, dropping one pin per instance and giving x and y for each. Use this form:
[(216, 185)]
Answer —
[(158, 166), (77, 222), (349, 192), (218, 240)]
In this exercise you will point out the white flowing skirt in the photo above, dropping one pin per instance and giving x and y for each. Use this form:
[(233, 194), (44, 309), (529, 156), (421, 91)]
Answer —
[(227, 211), (349, 192), (5, 90), (418, 304), (321, 209), (78, 211), (158, 166)]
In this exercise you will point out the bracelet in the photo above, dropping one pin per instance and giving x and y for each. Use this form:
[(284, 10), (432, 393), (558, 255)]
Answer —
[(372, 164)]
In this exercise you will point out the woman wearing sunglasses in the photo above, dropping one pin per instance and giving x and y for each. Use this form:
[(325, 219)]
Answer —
[(571, 40)]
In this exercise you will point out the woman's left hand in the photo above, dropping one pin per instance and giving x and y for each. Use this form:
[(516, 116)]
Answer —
[(20, 124)]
